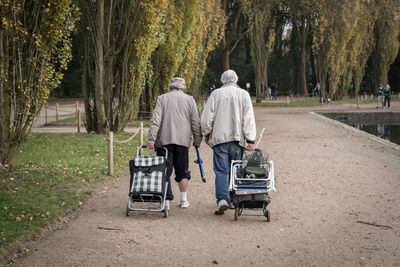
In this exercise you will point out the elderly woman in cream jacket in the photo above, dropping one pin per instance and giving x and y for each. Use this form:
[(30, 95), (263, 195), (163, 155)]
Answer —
[(175, 120)]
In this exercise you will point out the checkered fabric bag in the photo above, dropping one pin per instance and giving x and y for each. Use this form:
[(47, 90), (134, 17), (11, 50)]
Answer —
[(147, 175), (148, 161)]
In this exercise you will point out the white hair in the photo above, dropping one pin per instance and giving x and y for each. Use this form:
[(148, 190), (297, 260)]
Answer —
[(177, 83), (229, 76)]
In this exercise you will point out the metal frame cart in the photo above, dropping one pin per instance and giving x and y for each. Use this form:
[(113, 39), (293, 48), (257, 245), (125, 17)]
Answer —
[(147, 183)]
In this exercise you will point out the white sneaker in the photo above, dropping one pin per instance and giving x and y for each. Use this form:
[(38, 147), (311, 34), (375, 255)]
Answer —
[(185, 204), (167, 204), (221, 207)]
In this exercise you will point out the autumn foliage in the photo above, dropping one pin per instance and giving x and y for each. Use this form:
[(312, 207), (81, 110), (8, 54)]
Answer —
[(35, 49), (129, 51)]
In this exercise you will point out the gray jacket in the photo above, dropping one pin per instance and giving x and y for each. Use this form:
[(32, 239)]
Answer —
[(175, 120), (228, 116)]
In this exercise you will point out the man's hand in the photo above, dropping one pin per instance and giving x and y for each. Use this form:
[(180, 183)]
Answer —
[(150, 146), (250, 146)]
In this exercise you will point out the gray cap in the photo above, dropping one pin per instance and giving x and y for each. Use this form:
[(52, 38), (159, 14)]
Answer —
[(229, 76), (177, 83)]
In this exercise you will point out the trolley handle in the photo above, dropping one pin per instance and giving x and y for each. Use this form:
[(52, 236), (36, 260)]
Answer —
[(144, 146)]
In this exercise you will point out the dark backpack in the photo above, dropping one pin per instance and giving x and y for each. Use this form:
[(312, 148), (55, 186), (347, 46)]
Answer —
[(254, 164)]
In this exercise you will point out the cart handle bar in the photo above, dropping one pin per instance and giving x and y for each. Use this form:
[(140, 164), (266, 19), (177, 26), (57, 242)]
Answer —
[(261, 134), (144, 146)]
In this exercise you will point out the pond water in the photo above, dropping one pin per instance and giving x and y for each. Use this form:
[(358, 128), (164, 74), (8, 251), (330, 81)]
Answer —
[(385, 131), (385, 125)]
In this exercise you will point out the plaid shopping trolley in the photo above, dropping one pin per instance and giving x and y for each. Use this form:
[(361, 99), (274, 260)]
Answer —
[(147, 187)]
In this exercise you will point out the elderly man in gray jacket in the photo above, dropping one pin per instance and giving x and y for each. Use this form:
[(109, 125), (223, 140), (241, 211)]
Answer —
[(174, 121), (228, 124)]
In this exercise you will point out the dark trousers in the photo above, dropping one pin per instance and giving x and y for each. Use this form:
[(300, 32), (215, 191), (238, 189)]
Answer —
[(178, 160), (387, 99)]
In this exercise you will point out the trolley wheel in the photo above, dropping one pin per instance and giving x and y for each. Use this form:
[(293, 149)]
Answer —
[(127, 210), (165, 212), (237, 213), (266, 214)]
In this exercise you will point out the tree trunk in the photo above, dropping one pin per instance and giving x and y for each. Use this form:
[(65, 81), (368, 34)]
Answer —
[(90, 127), (322, 71), (225, 59), (294, 58), (3, 144), (303, 56), (260, 58), (99, 73), (312, 58), (248, 50)]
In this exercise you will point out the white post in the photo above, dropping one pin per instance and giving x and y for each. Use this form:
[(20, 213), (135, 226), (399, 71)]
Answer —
[(141, 137), (287, 100), (56, 111), (78, 118), (45, 113), (358, 102), (110, 154)]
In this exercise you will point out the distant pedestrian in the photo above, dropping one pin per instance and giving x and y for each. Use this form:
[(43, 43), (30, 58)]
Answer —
[(212, 88), (269, 93), (317, 89), (381, 95), (264, 90), (310, 88), (274, 88), (387, 96)]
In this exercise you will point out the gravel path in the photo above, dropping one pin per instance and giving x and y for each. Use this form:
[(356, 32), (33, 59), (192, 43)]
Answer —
[(337, 204)]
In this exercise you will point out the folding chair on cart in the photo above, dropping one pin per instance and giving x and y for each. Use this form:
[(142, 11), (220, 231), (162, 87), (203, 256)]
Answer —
[(249, 186), (147, 187)]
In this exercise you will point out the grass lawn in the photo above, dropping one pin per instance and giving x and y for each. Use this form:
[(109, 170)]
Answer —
[(72, 122), (50, 175), (312, 102)]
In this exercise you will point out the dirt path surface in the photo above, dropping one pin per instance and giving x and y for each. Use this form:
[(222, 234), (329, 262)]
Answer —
[(337, 204)]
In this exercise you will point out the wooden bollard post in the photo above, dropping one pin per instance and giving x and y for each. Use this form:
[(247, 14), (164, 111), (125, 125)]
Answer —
[(76, 106), (287, 100), (56, 111), (141, 137), (358, 102), (110, 154), (78, 119), (45, 114)]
